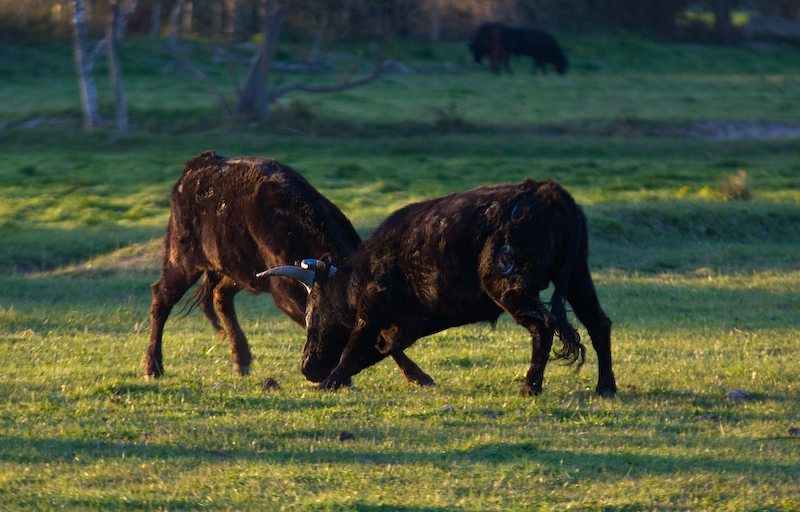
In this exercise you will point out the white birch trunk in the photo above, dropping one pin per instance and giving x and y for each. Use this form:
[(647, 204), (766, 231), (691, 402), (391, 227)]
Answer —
[(174, 17), (113, 36), (84, 62)]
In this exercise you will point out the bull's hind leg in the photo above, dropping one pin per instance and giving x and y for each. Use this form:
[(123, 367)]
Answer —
[(167, 291), (583, 299), (210, 282), (223, 302)]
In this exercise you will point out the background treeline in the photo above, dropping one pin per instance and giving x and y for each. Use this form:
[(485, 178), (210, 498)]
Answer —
[(36, 21)]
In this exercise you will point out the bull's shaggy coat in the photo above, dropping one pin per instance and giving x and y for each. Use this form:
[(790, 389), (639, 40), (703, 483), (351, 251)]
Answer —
[(230, 218), (464, 258)]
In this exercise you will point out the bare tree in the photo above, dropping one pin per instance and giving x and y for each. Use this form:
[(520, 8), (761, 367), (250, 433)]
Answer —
[(84, 62), (114, 29), (258, 94), (254, 97), (722, 20)]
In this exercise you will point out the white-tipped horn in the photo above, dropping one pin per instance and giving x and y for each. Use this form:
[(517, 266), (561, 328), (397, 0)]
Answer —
[(304, 275)]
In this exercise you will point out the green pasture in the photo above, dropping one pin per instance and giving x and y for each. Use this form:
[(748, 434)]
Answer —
[(702, 287)]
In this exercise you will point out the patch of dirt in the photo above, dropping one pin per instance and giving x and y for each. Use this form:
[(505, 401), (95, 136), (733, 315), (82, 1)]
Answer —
[(738, 130)]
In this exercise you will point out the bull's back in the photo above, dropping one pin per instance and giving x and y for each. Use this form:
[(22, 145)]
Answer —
[(436, 246), (247, 214)]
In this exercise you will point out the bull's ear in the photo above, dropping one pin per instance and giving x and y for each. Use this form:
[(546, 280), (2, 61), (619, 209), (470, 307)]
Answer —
[(323, 269)]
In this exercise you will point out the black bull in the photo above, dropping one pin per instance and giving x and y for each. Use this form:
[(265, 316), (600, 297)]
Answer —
[(500, 41), (230, 218), (460, 259)]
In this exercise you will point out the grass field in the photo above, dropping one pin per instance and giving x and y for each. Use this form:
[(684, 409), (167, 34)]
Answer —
[(702, 289)]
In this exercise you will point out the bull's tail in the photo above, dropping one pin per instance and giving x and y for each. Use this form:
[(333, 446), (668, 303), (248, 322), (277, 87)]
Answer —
[(571, 349), (203, 296)]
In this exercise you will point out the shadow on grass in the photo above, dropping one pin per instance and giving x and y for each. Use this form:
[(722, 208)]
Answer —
[(22, 450)]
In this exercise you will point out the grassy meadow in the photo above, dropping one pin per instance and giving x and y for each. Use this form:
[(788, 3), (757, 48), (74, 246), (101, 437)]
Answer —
[(703, 288)]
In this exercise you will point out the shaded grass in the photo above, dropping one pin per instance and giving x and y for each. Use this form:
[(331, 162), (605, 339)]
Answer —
[(617, 84), (653, 204)]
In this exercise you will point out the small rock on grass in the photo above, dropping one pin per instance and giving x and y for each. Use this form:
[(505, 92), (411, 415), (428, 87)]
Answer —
[(739, 394), (345, 436), (707, 417)]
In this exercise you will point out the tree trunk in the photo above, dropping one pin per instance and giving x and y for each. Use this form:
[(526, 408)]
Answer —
[(435, 21), (231, 20), (84, 62), (188, 14), (254, 100), (113, 37), (22, 13), (216, 19), (722, 20), (318, 37), (174, 17), (155, 20)]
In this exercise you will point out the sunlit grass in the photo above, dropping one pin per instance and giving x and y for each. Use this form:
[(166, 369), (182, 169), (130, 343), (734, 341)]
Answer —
[(83, 430)]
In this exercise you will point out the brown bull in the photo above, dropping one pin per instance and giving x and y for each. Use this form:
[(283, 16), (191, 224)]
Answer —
[(230, 218)]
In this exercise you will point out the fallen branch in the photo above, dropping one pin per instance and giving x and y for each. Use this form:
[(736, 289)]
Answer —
[(342, 86)]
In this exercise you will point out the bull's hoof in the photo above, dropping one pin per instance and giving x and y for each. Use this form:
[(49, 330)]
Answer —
[(152, 374), (243, 370), (528, 390), (422, 379), (332, 385), (606, 391)]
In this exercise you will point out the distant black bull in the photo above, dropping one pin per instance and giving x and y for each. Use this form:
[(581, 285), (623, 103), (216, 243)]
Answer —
[(230, 218), (464, 258), (499, 41)]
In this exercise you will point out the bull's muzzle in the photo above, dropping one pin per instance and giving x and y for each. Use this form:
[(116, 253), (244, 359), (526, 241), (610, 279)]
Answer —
[(316, 369)]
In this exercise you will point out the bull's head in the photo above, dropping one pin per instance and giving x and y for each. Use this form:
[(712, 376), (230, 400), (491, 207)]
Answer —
[(326, 326)]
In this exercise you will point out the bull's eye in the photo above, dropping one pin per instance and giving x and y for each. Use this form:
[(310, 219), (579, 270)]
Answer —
[(504, 261)]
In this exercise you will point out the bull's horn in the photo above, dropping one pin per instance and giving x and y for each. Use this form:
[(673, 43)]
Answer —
[(306, 273), (305, 276)]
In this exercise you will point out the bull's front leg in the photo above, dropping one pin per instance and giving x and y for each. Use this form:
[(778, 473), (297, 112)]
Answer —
[(541, 325), (411, 371), (359, 353), (394, 338)]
